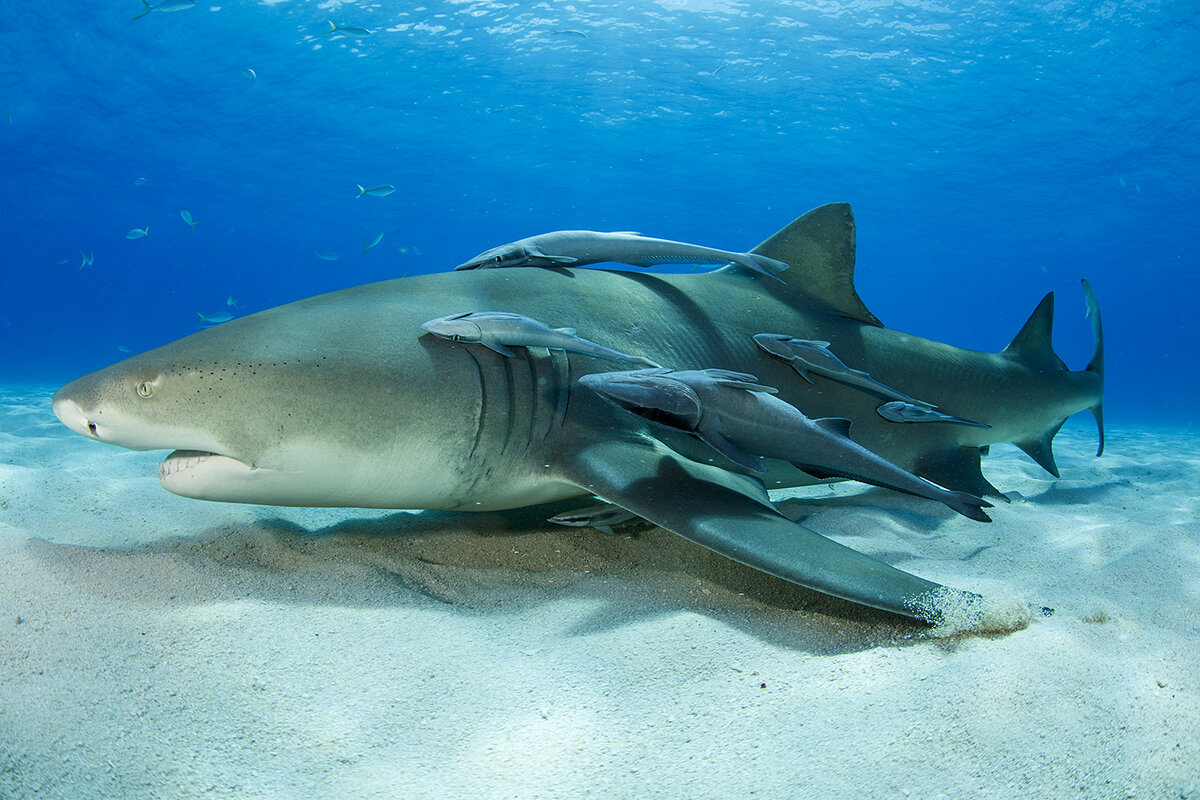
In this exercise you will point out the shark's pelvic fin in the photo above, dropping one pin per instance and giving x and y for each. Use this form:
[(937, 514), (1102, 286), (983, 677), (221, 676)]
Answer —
[(958, 469), (819, 246), (1096, 365)]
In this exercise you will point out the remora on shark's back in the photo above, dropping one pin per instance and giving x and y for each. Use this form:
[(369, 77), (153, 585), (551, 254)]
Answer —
[(577, 248), (338, 400)]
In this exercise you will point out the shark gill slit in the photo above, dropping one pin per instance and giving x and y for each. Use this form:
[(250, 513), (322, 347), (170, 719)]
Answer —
[(509, 386), (483, 405), (562, 388)]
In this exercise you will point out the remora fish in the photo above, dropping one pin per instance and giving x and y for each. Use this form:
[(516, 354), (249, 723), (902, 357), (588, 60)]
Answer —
[(333, 401), (899, 411), (737, 416), (186, 216), (166, 6), (811, 354), (601, 517), (499, 330), (576, 248)]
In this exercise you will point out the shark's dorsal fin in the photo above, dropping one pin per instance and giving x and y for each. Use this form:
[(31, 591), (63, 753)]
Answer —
[(819, 248), (1031, 346)]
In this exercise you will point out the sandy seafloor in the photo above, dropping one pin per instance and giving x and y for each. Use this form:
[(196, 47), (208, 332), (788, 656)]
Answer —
[(153, 646)]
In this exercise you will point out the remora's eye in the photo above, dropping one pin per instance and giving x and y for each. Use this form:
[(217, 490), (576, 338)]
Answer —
[(144, 389)]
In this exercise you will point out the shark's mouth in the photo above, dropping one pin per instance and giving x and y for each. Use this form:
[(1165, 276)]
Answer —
[(184, 465)]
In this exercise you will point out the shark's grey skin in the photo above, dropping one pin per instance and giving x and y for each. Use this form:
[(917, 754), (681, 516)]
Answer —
[(576, 248), (500, 330), (810, 354), (336, 401), (602, 517), (737, 416), (900, 411)]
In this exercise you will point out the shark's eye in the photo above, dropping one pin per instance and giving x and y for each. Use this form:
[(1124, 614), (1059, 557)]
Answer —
[(498, 259), (456, 338), (144, 389)]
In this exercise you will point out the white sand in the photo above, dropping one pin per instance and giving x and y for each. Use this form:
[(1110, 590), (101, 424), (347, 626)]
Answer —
[(152, 646)]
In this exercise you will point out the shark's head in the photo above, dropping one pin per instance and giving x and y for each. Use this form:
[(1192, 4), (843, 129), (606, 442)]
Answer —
[(652, 394), (139, 406), (291, 410)]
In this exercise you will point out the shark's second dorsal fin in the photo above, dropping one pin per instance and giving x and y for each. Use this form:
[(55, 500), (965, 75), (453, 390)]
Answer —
[(819, 248), (1032, 346)]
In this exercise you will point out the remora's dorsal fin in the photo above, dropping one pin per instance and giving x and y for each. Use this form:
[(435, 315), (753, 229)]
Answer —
[(819, 247), (1032, 344)]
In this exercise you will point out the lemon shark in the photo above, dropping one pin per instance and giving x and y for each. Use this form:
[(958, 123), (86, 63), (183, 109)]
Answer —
[(342, 400)]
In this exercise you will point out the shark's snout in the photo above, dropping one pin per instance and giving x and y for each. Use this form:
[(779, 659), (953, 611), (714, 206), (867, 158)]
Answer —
[(70, 414)]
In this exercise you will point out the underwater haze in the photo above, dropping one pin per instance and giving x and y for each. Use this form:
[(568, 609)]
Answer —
[(991, 151)]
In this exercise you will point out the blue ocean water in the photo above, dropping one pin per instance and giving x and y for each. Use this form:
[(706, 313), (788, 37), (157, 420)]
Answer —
[(992, 152)]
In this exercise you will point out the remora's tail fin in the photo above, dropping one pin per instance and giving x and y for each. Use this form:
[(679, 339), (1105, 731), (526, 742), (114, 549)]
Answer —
[(149, 8), (1096, 365), (1032, 346)]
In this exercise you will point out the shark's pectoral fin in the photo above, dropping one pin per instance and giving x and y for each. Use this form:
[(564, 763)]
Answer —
[(730, 514)]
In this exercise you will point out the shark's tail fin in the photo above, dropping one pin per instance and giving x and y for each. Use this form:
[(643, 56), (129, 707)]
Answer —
[(1096, 365)]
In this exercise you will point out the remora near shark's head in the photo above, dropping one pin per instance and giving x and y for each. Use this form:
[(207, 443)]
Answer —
[(338, 400)]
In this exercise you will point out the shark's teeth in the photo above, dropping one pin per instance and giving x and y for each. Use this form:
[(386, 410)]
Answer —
[(181, 461)]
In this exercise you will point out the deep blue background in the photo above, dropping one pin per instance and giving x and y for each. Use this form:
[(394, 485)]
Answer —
[(991, 153)]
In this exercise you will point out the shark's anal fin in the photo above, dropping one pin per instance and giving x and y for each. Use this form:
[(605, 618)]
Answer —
[(730, 514)]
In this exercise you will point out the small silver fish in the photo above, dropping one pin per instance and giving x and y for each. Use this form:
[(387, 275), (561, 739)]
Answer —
[(123, 349), (383, 190), (139, 233), (251, 74), (349, 30), (86, 259), (140, 181), (231, 301), (166, 6), (208, 320), (326, 256), (499, 330), (186, 216), (368, 245), (898, 411)]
